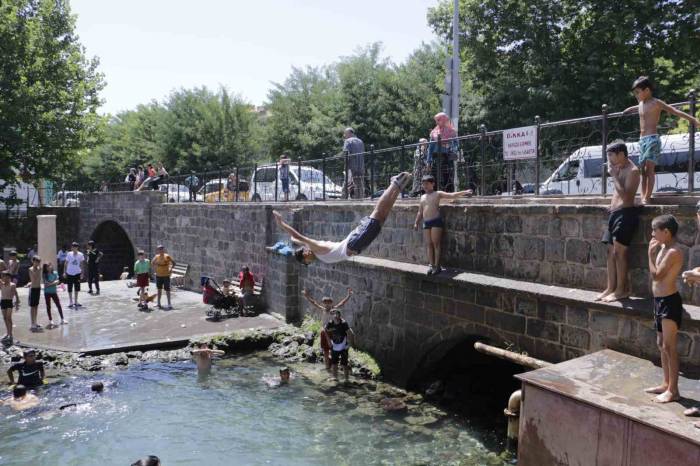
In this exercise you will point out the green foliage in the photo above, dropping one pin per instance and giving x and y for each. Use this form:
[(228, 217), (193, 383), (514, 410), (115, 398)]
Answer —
[(48, 91), (193, 129), (566, 58)]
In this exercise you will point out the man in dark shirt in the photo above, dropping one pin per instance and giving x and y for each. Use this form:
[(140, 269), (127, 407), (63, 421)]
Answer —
[(31, 372), (354, 147), (94, 256), (341, 337)]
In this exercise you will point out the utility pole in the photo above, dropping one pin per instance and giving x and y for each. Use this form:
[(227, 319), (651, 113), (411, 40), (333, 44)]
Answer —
[(450, 101)]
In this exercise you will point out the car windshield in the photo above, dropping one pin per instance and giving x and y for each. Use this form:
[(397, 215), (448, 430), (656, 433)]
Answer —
[(313, 176)]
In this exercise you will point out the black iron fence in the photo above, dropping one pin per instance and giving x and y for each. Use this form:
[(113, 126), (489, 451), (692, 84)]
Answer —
[(570, 159)]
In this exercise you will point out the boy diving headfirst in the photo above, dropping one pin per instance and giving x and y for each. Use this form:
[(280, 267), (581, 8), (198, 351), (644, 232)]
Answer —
[(360, 238)]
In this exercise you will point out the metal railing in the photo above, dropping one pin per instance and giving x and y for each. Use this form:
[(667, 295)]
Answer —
[(570, 160)]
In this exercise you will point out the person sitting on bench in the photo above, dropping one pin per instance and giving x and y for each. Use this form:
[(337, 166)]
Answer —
[(360, 238)]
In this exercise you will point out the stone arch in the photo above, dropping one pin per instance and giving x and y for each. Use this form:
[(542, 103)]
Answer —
[(117, 247), (440, 343)]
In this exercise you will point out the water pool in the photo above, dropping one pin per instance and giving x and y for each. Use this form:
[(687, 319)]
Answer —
[(230, 417)]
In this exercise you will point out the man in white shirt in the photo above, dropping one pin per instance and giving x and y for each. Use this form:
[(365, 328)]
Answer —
[(73, 273), (360, 238)]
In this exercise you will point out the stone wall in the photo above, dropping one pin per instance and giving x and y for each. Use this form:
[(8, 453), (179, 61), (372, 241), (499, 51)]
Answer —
[(20, 233)]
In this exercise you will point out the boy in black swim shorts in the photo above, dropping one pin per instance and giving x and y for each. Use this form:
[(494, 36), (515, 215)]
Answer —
[(359, 239), (433, 225), (622, 224), (341, 336), (665, 263)]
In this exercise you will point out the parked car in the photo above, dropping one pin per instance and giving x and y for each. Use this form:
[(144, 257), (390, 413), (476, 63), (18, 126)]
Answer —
[(67, 198), (176, 192), (263, 184), (216, 191), (581, 172)]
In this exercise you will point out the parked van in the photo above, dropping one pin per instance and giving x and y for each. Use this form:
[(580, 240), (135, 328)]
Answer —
[(581, 172), (262, 184), (67, 198), (216, 190)]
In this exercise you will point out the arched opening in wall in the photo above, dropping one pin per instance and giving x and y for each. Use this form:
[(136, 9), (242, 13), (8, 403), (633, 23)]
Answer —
[(473, 385), (112, 240)]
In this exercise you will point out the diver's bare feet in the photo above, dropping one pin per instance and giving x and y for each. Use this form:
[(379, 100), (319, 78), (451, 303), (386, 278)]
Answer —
[(616, 296), (656, 390), (697, 425), (667, 397), (692, 412), (603, 295)]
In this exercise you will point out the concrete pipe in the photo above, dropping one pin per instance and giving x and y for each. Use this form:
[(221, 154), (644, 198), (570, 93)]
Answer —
[(512, 412)]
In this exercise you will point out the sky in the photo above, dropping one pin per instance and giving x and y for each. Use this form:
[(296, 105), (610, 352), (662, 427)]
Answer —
[(147, 48)]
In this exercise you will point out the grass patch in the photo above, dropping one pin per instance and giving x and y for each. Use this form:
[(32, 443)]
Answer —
[(365, 360)]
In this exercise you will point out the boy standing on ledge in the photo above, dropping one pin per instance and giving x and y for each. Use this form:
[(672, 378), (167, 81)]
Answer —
[(622, 223), (429, 212), (650, 109), (665, 263)]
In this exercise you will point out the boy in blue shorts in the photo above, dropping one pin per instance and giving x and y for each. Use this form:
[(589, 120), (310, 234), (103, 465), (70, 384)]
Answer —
[(284, 175), (649, 109)]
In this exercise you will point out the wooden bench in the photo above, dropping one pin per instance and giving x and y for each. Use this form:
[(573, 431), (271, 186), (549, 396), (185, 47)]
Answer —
[(257, 292), (178, 274)]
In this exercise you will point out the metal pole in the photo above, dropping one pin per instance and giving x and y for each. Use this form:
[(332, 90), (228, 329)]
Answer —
[(299, 178), (538, 156), (255, 181), (439, 163), (347, 189), (482, 141), (402, 157), (220, 185), (177, 186), (372, 168), (323, 174), (277, 175), (455, 82), (691, 144), (604, 167), (238, 182)]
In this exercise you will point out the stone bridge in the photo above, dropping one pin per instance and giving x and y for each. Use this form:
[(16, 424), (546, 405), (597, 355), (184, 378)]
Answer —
[(522, 275)]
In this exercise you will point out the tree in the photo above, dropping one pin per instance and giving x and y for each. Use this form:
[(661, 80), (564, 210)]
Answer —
[(49, 91)]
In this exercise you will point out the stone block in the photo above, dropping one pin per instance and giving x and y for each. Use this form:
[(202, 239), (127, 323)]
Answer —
[(548, 351), (528, 248), (573, 353), (555, 228), (505, 321), (542, 329), (554, 250), (684, 344), (595, 279), (488, 297), (576, 316), (551, 312), (570, 227), (470, 312), (495, 224), (598, 254), (513, 224), (430, 287), (576, 337), (507, 302), (526, 306), (604, 322), (578, 251), (536, 225), (465, 294), (592, 227), (503, 246)]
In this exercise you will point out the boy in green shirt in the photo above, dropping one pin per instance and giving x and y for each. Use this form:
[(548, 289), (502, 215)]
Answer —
[(142, 270)]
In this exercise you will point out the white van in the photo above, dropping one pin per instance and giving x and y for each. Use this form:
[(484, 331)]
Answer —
[(581, 172), (263, 184)]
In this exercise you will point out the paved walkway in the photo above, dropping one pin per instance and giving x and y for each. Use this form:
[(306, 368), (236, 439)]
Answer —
[(111, 322)]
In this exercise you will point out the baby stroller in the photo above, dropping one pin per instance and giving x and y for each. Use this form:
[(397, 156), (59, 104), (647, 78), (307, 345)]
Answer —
[(222, 306)]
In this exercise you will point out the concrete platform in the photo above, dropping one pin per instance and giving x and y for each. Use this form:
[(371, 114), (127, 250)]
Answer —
[(111, 322), (593, 410)]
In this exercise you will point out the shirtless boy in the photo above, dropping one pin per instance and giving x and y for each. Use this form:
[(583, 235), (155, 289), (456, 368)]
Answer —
[(326, 307), (203, 356), (665, 263), (649, 109), (34, 286), (8, 291), (622, 223), (429, 212), (20, 399), (13, 266), (360, 238)]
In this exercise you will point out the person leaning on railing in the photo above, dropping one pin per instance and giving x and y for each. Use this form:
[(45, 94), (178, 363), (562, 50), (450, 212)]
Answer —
[(447, 149)]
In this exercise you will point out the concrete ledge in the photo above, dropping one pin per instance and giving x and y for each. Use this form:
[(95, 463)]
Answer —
[(634, 307)]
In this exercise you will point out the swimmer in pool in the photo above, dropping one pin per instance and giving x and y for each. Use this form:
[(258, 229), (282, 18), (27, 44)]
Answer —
[(21, 399), (202, 355), (285, 377)]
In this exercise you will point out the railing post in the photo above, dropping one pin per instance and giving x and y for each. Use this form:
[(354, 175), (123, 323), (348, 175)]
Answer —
[(438, 178), (402, 161), (482, 143), (238, 182), (371, 179), (277, 175), (255, 182), (221, 186), (177, 186), (323, 174), (691, 143), (299, 178), (347, 188), (537, 156), (604, 147)]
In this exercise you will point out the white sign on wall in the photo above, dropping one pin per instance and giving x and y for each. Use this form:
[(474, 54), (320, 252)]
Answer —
[(520, 143)]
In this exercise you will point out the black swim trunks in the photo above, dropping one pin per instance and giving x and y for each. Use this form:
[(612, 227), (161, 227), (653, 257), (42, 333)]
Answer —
[(339, 357), (363, 235), (668, 307), (6, 304), (34, 296), (433, 223), (622, 225)]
